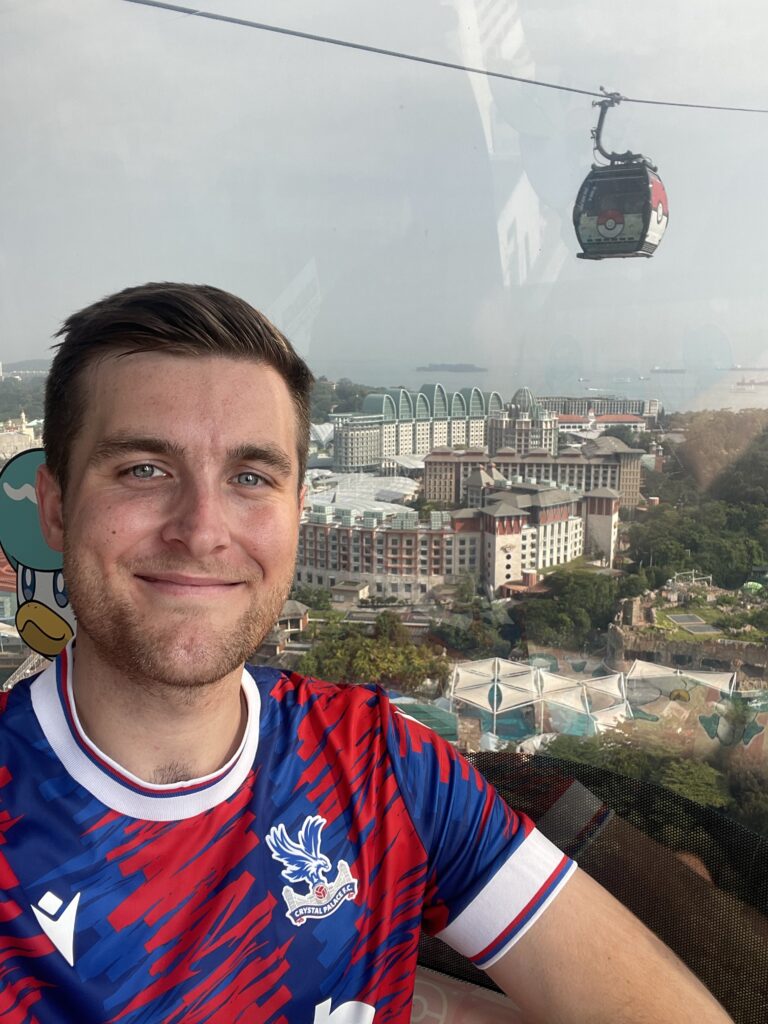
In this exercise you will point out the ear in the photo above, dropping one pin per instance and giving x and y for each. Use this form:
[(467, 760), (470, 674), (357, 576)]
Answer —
[(49, 508), (302, 498)]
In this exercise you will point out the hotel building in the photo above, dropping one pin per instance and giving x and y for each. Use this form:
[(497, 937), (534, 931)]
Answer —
[(603, 462), (516, 534), (399, 422)]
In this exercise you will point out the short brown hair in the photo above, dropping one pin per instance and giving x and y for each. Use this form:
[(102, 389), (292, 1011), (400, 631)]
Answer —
[(178, 319)]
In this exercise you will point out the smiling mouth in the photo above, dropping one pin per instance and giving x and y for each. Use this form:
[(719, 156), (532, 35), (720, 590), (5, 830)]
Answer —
[(188, 586), (181, 581)]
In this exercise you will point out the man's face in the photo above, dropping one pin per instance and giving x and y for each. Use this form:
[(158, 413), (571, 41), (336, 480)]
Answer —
[(180, 519)]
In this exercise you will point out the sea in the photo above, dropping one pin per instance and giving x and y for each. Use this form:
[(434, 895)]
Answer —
[(694, 389)]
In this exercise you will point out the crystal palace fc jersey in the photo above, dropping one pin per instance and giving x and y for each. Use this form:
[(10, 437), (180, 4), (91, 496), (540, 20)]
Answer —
[(288, 887)]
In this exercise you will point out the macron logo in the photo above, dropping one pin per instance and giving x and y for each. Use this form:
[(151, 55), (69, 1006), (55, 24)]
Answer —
[(58, 924)]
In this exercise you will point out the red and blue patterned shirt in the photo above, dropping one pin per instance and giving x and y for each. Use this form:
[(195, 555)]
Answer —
[(287, 888)]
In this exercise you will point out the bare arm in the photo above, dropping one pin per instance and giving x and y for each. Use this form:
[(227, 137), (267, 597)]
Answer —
[(587, 960)]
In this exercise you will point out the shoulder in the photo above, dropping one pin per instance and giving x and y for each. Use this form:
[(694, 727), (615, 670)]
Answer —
[(304, 697), (18, 723), (283, 685), (16, 700)]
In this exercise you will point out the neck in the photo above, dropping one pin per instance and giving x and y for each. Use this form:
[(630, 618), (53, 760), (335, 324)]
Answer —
[(157, 732)]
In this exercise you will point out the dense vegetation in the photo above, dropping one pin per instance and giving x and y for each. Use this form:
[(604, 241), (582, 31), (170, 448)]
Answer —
[(316, 598), (327, 397), (722, 540), (740, 793), (344, 653), (474, 637), (340, 396), (26, 394), (719, 442), (714, 500), (579, 607)]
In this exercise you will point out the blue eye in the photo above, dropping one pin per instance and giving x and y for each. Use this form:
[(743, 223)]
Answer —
[(249, 478), (145, 471), (28, 583), (60, 589)]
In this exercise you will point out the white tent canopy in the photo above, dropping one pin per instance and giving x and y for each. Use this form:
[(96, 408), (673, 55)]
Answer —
[(719, 680), (497, 685), (562, 703), (609, 718), (650, 670), (613, 685), (644, 670)]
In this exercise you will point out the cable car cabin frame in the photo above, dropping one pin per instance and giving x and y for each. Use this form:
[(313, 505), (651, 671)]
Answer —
[(621, 209)]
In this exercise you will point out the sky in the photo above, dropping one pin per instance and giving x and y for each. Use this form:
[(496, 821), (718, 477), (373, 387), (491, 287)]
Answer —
[(388, 214)]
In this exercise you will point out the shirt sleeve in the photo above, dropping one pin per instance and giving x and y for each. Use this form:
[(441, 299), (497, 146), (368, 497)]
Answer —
[(491, 872)]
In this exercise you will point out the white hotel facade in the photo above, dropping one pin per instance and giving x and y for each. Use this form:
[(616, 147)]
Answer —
[(399, 422), (509, 541)]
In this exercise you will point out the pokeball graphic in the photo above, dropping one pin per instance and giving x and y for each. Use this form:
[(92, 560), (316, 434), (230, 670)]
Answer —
[(659, 204), (610, 223)]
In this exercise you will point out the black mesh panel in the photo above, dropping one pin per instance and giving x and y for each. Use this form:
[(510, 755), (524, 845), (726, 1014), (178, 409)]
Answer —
[(693, 876)]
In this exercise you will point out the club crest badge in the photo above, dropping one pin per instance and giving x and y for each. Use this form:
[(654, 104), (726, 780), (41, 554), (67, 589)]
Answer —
[(305, 863)]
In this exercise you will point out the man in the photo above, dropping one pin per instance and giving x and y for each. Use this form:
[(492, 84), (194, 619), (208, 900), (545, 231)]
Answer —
[(187, 840)]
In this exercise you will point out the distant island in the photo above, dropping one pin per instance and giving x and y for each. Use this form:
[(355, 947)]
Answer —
[(451, 368), (27, 366)]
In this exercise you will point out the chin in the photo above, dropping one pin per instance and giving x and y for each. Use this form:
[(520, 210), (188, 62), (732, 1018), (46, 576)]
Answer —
[(184, 666), (182, 647)]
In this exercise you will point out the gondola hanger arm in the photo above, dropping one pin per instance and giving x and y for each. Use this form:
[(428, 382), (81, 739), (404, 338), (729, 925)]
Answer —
[(612, 99)]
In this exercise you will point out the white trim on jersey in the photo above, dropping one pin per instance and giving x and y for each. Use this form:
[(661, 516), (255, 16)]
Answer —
[(518, 884), (105, 787)]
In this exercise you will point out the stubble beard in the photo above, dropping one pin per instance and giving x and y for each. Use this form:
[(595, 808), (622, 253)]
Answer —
[(179, 651)]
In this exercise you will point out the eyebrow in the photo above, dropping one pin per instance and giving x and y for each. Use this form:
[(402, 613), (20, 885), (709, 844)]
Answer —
[(269, 454), (119, 445)]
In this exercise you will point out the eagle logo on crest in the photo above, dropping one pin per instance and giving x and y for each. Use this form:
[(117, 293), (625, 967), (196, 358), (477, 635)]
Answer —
[(305, 863)]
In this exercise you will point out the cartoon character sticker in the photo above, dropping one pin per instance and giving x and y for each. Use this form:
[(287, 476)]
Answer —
[(733, 721), (45, 619)]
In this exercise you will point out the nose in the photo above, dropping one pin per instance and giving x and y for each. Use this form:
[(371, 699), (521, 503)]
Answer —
[(198, 519)]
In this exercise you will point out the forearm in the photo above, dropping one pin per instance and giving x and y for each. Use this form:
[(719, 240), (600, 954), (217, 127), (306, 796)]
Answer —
[(587, 960)]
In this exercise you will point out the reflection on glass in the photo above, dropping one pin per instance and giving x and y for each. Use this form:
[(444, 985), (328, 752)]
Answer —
[(538, 486)]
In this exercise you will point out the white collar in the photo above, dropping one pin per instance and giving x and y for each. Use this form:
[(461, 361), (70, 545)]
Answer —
[(113, 785)]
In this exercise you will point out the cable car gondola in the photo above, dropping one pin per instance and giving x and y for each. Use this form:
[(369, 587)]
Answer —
[(621, 209)]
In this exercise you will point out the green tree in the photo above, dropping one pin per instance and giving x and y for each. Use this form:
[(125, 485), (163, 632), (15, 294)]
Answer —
[(696, 781), (323, 400), (472, 638), (17, 395), (317, 598), (617, 751), (343, 653), (389, 627), (632, 585), (350, 396), (581, 604), (713, 537), (466, 591), (749, 799)]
